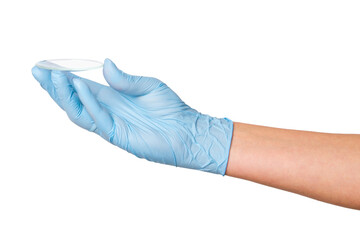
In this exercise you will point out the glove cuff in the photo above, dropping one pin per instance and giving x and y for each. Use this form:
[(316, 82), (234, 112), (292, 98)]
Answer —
[(212, 137)]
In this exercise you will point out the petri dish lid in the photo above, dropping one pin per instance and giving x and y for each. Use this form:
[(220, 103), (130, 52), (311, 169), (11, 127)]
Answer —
[(71, 65)]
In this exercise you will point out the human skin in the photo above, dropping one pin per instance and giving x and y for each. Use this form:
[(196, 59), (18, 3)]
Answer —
[(322, 166)]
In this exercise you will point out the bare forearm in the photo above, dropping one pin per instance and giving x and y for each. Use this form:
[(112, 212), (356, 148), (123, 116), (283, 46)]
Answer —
[(318, 165)]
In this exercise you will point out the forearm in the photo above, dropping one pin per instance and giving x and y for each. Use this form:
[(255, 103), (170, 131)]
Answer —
[(318, 165)]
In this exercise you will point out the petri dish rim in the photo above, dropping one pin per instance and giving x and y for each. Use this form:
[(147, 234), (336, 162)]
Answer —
[(98, 64)]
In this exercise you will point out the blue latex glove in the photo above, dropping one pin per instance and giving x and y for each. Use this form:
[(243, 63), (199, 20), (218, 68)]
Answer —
[(143, 116)]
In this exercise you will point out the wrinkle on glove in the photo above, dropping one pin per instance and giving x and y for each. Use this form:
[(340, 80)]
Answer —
[(143, 116)]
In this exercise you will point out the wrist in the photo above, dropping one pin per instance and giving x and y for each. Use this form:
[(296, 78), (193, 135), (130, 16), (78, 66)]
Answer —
[(233, 166)]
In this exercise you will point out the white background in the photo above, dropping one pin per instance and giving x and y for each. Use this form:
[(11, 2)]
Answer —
[(289, 64)]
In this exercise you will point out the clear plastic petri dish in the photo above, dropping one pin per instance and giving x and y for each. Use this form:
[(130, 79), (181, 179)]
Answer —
[(71, 65)]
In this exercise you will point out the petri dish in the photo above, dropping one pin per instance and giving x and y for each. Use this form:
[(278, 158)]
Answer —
[(71, 65)]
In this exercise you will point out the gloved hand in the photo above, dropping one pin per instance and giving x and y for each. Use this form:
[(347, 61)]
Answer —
[(143, 116)]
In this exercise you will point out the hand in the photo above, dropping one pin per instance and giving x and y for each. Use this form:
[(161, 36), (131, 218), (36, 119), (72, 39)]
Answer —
[(143, 116)]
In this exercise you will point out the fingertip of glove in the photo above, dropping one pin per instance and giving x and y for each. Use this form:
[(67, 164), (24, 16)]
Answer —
[(107, 61), (38, 74), (58, 76), (35, 71), (78, 83), (108, 69), (109, 65)]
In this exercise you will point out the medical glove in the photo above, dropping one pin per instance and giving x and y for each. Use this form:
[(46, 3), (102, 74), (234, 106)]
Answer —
[(143, 116)]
